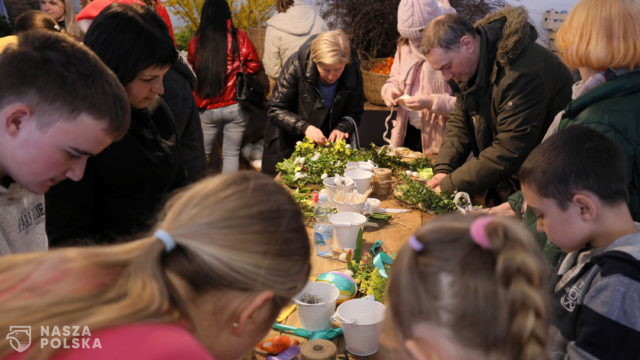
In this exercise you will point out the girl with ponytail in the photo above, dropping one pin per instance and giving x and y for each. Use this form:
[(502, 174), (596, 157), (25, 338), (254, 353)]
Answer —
[(228, 253), (468, 287)]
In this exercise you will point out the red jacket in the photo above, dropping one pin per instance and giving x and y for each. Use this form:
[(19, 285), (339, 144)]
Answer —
[(251, 63)]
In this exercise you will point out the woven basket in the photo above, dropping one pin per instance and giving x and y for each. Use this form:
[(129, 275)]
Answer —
[(373, 82)]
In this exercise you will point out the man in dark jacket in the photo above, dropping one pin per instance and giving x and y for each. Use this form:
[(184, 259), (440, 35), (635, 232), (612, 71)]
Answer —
[(508, 90), (313, 99)]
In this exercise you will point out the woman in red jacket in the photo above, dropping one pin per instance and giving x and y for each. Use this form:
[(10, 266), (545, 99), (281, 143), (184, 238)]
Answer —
[(217, 52)]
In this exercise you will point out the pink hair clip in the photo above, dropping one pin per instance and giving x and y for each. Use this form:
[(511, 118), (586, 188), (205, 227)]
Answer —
[(478, 231), (415, 244)]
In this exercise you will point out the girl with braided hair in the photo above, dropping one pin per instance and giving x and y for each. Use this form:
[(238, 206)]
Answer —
[(468, 287)]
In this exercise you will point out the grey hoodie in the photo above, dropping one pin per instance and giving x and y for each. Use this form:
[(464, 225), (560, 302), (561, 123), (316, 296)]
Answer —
[(22, 225), (286, 32)]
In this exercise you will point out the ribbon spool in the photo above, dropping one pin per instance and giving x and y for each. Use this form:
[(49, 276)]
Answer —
[(382, 174), (318, 349), (382, 181)]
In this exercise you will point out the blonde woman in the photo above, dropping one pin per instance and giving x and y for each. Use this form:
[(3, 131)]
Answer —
[(62, 12), (228, 253), (469, 287), (318, 95)]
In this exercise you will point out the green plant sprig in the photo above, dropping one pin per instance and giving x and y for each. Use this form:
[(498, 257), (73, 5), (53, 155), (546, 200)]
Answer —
[(423, 197)]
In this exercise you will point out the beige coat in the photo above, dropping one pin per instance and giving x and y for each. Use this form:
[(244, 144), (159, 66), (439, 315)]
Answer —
[(286, 32)]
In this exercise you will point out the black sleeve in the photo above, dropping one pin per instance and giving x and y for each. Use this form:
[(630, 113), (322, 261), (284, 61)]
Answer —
[(284, 98), (69, 208), (179, 98)]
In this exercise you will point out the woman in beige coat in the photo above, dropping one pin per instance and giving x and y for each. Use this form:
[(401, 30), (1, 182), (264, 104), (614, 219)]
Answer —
[(287, 31)]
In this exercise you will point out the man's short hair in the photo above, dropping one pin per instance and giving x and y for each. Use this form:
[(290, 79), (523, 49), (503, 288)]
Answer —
[(62, 79), (577, 158), (445, 32)]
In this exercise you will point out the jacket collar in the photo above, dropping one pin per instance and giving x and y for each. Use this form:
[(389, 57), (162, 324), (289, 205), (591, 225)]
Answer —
[(628, 83), (510, 31)]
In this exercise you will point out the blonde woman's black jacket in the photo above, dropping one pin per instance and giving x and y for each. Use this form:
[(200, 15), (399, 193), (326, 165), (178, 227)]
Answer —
[(296, 103)]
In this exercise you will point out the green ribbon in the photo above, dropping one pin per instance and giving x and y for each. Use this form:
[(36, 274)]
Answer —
[(380, 260), (327, 334)]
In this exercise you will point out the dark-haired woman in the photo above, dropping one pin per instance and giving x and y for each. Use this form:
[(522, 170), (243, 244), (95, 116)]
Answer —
[(217, 52), (126, 184)]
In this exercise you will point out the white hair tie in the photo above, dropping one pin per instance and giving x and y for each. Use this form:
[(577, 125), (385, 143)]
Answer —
[(166, 238)]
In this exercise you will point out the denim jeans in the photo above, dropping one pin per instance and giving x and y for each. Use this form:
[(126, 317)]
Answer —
[(233, 121)]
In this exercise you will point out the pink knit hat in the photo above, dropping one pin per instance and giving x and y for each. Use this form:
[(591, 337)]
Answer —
[(414, 15)]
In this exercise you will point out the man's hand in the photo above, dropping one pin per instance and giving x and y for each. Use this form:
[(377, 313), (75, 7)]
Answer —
[(390, 96), (337, 135), (315, 135), (419, 102), (434, 182)]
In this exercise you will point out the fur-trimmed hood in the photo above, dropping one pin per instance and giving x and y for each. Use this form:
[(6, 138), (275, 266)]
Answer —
[(511, 27)]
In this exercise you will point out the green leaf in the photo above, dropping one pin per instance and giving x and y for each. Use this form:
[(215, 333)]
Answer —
[(357, 254)]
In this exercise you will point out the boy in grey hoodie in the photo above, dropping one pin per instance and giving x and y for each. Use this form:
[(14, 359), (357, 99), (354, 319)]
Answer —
[(59, 104), (575, 183)]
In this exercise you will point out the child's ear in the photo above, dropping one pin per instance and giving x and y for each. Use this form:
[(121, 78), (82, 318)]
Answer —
[(254, 313), (586, 205), (13, 117)]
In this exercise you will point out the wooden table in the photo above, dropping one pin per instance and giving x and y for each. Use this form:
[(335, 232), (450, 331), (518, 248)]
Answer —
[(394, 235)]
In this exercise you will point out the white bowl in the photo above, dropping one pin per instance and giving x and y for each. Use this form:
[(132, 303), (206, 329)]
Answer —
[(332, 188), (348, 207), (361, 165)]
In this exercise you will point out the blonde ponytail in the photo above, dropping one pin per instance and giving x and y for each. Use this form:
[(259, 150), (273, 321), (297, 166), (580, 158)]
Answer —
[(237, 232)]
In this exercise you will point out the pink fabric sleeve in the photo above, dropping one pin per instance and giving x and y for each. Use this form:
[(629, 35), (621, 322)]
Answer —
[(443, 104), (394, 80), (141, 342)]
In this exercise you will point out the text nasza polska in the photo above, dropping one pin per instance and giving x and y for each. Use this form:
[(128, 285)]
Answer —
[(57, 337)]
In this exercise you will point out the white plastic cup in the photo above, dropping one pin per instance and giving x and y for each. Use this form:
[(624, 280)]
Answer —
[(332, 188), (345, 228), (361, 320), (315, 317), (361, 165), (362, 178)]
